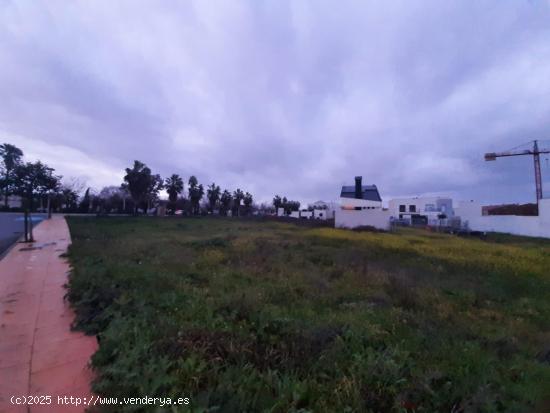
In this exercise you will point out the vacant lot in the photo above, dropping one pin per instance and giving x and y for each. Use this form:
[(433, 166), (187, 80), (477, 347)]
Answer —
[(263, 316)]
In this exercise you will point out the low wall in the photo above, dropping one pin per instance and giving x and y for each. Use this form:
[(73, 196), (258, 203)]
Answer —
[(320, 213), (377, 218), (532, 226)]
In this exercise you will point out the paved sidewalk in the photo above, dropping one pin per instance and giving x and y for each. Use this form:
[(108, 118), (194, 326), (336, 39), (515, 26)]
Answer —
[(39, 355)]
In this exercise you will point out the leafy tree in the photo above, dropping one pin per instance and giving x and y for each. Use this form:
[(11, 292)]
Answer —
[(34, 179), (85, 203), (196, 192), (238, 195), (291, 206), (266, 208), (67, 198), (247, 200), (213, 195), (287, 204), (277, 202), (97, 203), (174, 187), (141, 184), (51, 187), (156, 184), (111, 199), (225, 202), (11, 158)]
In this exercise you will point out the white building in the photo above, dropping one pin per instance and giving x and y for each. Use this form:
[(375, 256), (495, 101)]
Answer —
[(324, 210), (304, 213), (361, 206), (323, 214), (430, 210), (359, 196)]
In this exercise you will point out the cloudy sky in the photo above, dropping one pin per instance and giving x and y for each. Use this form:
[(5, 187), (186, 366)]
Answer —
[(290, 97)]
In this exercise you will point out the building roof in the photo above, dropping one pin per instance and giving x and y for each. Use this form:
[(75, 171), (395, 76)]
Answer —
[(368, 192)]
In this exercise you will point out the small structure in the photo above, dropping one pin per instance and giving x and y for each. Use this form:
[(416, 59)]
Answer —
[(361, 206), (324, 210), (321, 214), (304, 213)]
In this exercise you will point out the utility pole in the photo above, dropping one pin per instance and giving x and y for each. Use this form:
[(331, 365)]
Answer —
[(538, 177)]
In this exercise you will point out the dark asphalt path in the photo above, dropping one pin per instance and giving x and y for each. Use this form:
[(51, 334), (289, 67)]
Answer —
[(12, 227)]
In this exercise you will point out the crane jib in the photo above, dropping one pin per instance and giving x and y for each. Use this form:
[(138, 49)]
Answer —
[(535, 152)]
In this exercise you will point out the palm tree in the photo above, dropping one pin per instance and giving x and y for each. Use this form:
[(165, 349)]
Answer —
[(11, 157), (238, 195), (247, 200), (225, 202), (138, 178), (213, 195), (174, 187), (196, 191), (277, 203)]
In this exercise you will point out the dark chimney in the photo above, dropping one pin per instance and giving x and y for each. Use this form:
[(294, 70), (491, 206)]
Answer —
[(358, 187)]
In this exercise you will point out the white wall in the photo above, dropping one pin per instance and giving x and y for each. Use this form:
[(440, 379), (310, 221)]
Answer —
[(294, 214), (377, 218), (306, 214), (352, 202), (538, 226), (321, 213)]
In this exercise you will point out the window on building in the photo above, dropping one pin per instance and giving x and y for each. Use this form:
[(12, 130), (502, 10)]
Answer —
[(402, 208), (429, 207), (412, 208)]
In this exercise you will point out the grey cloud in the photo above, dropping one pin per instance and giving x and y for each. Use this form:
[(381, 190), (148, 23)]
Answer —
[(286, 97)]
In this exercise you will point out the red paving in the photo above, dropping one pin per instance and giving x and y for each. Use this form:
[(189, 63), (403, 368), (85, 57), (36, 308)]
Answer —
[(39, 355)]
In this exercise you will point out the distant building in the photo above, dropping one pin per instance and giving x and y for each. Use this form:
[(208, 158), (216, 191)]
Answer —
[(360, 196), (430, 210), (324, 210), (307, 214), (361, 206)]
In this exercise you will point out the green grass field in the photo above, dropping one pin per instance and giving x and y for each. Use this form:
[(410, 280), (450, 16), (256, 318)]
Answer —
[(245, 315)]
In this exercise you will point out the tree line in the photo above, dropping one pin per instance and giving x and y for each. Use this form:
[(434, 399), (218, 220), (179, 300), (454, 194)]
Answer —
[(287, 204), (41, 189)]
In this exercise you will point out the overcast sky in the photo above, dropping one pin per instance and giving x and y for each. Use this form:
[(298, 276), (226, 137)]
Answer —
[(288, 97)]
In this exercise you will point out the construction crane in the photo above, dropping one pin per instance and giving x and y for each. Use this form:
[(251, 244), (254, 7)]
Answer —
[(535, 151)]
